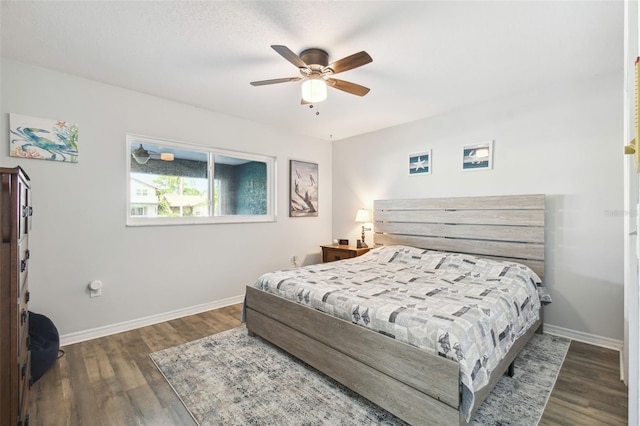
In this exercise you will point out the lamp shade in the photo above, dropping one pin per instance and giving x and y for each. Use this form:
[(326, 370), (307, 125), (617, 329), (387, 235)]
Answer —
[(364, 216), (141, 155), (314, 90)]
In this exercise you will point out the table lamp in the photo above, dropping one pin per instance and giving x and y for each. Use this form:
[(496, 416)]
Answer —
[(363, 216)]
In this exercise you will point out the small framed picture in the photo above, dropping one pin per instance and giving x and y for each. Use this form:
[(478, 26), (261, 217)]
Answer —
[(477, 156), (420, 164), (343, 242)]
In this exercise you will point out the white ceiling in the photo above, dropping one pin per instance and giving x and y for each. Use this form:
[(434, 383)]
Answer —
[(428, 57)]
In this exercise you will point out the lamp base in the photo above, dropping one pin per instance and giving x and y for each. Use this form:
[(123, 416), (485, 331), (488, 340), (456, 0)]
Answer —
[(361, 243)]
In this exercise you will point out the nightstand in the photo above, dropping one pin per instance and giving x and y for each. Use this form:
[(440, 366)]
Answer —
[(334, 252)]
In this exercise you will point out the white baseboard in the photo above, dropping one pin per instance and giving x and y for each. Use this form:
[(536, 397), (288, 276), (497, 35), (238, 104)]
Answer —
[(580, 336), (94, 333)]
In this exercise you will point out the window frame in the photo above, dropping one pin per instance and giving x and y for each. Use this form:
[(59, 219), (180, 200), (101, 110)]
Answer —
[(270, 161)]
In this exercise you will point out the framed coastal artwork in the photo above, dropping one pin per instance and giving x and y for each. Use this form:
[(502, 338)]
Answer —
[(43, 139), (477, 156), (303, 192), (420, 164)]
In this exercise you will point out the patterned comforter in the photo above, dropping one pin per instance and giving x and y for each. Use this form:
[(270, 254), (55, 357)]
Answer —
[(465, 308)]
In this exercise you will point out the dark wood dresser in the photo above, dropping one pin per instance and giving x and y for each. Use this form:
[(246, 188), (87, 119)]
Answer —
[(15, 361)]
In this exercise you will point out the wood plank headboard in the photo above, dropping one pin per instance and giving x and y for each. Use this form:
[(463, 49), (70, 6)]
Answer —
[(507, 227)]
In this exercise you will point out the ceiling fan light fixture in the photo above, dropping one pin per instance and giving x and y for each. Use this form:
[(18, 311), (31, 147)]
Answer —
[(314, 90), (166, 156), (141, 155)]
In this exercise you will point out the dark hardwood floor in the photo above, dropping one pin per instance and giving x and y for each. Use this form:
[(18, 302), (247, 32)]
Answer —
[(112, 380), (588, 390)]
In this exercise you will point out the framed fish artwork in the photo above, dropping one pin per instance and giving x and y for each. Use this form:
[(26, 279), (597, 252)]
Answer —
[(478, 156), (43, 139)]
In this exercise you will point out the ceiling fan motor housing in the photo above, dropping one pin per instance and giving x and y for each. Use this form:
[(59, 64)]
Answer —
[(314, 56)]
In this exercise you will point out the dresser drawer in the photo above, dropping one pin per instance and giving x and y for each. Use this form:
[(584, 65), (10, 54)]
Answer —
[(331, 255), (25, 388), (23, 321), (26, 211), (23, 264)]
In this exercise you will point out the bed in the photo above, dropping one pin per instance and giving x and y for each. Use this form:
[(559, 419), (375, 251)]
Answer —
[(420, 385)]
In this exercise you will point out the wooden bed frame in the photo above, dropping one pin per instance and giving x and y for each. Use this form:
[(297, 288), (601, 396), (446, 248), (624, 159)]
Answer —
[(414, 385)]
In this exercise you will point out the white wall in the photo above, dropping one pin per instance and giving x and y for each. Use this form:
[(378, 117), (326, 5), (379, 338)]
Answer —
[(79, 231), (563, 141)]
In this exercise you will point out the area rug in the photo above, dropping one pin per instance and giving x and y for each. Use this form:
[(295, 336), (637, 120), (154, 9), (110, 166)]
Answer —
[(230, 378)]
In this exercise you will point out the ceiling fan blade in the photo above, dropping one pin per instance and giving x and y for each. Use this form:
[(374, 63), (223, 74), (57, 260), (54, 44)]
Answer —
[(347, 86), (350, 62), (286, 53), (274, 81)]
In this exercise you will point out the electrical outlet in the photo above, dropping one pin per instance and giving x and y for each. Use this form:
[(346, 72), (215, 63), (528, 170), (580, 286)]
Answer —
[(95, 288)]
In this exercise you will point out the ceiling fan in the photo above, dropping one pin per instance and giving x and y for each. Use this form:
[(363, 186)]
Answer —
[(315, 72)]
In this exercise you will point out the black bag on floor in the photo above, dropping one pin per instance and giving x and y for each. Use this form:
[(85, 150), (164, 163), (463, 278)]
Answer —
[(44, 342)]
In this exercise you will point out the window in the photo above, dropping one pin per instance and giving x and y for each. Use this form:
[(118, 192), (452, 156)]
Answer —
[(173, 183)]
